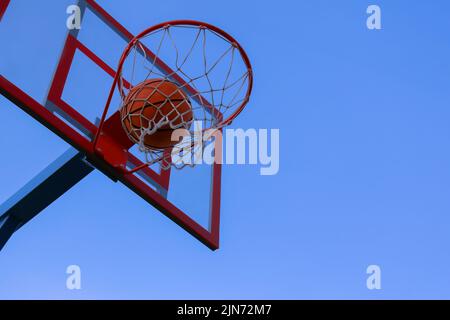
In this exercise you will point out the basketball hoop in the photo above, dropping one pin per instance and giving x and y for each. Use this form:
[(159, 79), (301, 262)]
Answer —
[(200, 64)]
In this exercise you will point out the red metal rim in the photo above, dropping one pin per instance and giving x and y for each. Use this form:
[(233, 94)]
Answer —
[(214, 29)]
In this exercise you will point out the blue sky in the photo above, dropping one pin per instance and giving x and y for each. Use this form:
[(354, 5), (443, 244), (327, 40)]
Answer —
[(364, 163)]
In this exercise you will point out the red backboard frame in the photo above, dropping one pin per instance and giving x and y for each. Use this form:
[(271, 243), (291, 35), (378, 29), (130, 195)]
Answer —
[(84, 143)]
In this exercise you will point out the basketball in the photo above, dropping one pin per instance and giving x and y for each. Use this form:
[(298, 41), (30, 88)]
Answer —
[(151, 102)]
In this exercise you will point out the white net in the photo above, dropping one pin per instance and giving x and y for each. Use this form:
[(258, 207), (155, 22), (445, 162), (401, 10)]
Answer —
[(181, 77)]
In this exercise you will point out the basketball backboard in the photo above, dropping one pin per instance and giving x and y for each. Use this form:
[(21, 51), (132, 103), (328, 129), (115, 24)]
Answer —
[(54, 102)]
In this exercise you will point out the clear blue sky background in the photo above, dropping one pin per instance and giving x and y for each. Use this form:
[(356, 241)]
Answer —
[(364, 175)]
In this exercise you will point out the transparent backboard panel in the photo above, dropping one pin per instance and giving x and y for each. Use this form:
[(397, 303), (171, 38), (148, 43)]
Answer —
[(31, 49), (190, 190), (29, 61)]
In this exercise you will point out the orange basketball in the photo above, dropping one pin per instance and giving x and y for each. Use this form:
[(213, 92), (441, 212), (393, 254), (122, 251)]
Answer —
[(150, 102)]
